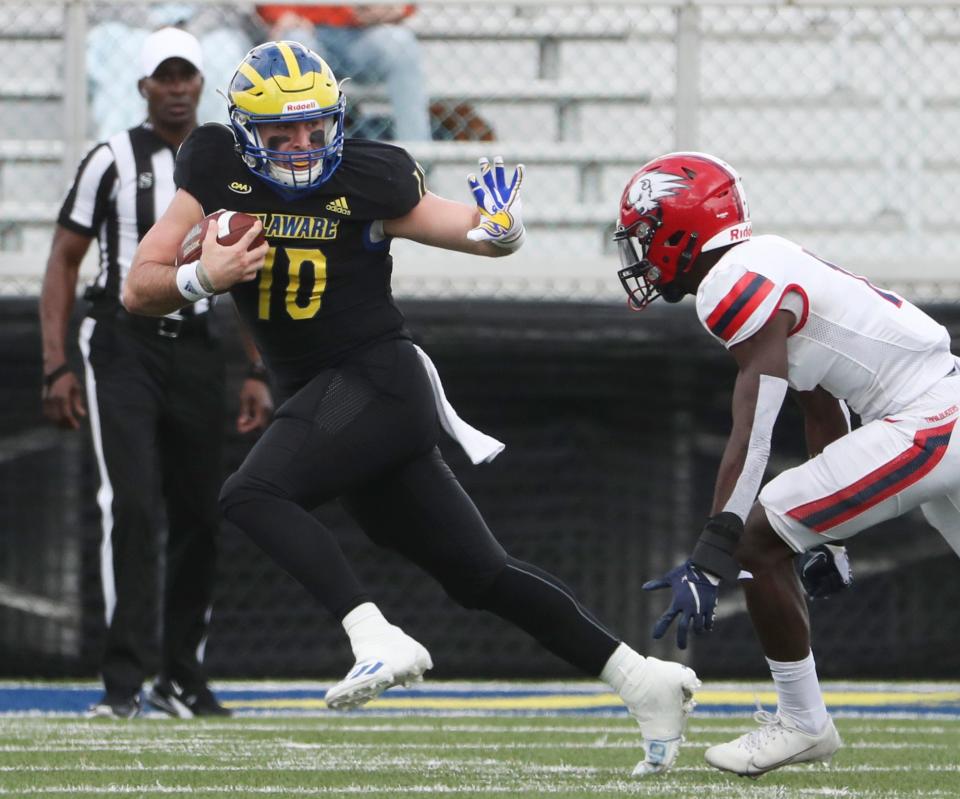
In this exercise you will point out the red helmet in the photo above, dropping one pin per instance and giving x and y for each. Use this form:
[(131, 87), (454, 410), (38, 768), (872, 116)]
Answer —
[(672, 209)]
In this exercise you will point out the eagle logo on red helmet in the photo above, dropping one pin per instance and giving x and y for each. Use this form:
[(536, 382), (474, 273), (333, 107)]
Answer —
[(649, 188)]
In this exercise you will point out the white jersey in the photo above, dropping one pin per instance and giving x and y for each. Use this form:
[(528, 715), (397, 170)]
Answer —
[(863, 344)]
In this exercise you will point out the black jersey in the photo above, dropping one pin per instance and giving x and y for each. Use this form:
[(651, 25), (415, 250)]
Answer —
[(324, 289)]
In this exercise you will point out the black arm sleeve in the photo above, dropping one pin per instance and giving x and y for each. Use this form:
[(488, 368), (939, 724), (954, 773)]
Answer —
[(716, 545)]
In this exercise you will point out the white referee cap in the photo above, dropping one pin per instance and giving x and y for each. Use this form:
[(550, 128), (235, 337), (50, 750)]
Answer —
[(169, 43)]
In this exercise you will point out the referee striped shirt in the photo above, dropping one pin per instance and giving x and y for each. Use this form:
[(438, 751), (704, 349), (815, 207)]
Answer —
[(122, 186)]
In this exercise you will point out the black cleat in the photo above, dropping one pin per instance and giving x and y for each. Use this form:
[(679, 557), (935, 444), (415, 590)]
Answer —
[(115, 707), (172, 699)]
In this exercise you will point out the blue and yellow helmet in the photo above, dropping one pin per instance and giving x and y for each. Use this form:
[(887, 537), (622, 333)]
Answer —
[(284, 82)]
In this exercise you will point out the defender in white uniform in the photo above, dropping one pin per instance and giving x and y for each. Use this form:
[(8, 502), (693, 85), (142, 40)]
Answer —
[(791, 319)]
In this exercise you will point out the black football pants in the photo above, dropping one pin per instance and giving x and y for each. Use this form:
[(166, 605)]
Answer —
[(366, 431), (155, 400)]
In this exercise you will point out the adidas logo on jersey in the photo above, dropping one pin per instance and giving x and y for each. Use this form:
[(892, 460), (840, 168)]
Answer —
[(339, 206)]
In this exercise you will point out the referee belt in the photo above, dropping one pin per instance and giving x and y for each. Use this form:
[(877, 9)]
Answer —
[(171, 327)]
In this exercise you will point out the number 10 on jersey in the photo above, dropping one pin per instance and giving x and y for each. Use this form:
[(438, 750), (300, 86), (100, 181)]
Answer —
[(298, 262)]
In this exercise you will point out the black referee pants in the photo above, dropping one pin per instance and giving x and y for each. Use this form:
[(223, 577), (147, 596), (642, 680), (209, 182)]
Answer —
[(155, 401), (366, 431)]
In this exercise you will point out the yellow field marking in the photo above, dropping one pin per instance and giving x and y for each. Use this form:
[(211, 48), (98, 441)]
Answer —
[(705, 699)]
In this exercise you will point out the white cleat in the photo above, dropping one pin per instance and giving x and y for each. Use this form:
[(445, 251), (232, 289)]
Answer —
[(773, 745), (382, 662), (659, 757), (659, 695)]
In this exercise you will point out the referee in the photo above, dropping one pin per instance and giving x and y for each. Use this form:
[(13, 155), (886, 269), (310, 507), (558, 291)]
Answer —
[(154, 395)]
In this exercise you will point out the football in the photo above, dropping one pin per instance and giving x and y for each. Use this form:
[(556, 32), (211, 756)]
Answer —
[(231, 225)]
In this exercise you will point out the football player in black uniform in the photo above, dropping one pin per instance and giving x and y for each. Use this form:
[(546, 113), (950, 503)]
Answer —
[(360, 420)]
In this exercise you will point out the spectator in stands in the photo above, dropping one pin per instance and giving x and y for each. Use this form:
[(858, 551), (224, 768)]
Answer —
[(112, 45), (369, 43), (155, 393)]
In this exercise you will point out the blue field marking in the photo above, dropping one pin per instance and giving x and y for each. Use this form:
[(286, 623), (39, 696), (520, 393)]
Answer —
[(940, 700)]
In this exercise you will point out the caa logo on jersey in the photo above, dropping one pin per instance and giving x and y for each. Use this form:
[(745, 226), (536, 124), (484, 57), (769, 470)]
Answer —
[(240, 188), (651, 187)]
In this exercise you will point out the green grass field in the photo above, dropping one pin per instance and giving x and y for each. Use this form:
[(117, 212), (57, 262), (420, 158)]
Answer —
[(392, 756)]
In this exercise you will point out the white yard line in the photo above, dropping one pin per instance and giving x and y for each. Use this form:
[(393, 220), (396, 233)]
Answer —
[(438, 765), (636, 788)]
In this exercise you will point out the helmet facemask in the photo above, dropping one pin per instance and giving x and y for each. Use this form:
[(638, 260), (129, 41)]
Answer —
[(637, 275), (641, 278), (295, 170)]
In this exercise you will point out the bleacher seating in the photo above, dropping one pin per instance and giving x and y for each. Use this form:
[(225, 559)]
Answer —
[(552, 82)]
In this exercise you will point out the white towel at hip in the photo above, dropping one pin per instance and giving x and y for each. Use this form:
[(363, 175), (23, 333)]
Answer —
[(480, 447)]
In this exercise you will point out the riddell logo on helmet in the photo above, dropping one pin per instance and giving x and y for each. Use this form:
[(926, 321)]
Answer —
[(741, 232), (302, 105)]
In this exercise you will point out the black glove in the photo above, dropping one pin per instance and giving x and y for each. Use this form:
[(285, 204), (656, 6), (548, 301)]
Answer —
[(824, 570), (695, 595)]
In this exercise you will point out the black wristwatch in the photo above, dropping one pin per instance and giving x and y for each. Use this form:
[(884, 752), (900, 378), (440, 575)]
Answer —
[(257, 371), (55, 375)]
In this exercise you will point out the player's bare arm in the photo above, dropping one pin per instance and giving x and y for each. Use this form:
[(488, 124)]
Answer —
[(256, 400), (493, 227), (439, 222), (823, 419), (62, 393), (152, 288)]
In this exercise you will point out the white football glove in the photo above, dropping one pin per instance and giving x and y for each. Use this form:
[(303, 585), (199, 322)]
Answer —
[(499, 204)]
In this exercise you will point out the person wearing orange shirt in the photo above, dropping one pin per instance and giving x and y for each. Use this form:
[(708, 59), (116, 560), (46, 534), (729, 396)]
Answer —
[(369, 43)]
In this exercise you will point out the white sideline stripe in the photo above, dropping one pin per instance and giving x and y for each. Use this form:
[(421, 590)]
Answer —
[(628, 728), (393, 764), (207, 745), (635, 787), (320, 716), (438, 766)]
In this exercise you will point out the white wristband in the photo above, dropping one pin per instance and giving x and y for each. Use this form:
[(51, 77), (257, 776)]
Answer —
[(189, 283)]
